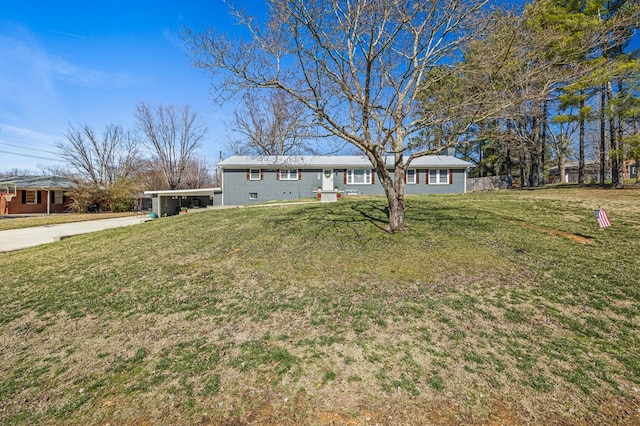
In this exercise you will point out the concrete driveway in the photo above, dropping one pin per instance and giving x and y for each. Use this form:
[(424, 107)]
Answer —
[(17, 239)]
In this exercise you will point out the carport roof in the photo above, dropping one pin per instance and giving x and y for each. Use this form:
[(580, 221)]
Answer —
[(184, 192)]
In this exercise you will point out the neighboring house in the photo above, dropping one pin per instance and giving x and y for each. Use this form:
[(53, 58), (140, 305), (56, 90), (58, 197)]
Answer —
[(34, 194), (631, 170), (592, 172), (591, 169), (255, 179)]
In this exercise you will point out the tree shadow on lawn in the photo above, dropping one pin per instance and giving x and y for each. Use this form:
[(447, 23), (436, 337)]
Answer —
[(347, 214)]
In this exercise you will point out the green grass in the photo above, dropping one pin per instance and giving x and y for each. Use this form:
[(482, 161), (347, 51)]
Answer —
[(492, 307)]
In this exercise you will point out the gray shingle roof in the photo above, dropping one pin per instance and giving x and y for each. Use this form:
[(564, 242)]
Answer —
[(334, 161), (34, 182)]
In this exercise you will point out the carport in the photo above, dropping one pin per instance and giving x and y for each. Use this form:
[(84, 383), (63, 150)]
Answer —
[(171, 202)]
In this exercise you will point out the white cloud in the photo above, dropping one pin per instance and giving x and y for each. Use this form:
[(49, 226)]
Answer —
[(40, 90), (23, 134), (29, 66)]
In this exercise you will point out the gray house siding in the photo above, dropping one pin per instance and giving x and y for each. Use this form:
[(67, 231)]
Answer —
[(238, 189)]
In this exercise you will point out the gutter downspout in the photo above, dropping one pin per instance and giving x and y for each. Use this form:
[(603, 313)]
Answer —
[(466, 176), (221, 185)]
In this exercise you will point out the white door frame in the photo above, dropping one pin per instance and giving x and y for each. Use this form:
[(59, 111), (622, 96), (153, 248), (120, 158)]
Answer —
[(327, 180)]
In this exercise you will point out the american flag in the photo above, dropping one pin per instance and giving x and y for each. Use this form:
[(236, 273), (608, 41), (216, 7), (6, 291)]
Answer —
[(603, 220)]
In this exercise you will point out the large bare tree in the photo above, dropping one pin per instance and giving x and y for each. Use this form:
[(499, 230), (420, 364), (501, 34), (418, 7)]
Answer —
[(173, 135), (100, 159), (357, 66), (271, 124)]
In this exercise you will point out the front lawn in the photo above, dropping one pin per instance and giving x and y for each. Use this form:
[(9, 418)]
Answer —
[(508, 307)]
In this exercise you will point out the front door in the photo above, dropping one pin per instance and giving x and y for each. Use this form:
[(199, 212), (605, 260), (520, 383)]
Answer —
[(327, 180)]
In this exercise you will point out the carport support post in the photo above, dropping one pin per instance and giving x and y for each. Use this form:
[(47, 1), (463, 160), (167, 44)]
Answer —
[(48, 201)]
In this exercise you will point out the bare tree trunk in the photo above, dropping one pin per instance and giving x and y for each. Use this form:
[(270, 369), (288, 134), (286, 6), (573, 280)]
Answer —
[(543, 143), (603, 142), (636, 157), (396, 213), (509, 171), (533, 153), (533, 174), (620, 137), (394, 191), (614, 143), (581, 143), (521, 164), (562, 168)]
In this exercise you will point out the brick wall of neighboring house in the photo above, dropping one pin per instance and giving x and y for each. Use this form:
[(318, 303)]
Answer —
[(29, 202)]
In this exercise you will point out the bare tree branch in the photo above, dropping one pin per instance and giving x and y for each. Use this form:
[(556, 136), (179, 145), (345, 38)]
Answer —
[(101, 160), (272, 124)]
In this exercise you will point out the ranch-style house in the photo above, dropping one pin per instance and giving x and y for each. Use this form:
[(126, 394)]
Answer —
[(257, 179), (34, 194)]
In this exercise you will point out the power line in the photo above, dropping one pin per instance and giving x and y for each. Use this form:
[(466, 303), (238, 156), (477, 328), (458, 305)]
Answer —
[(27, 155), (29, 148), (23, 138)]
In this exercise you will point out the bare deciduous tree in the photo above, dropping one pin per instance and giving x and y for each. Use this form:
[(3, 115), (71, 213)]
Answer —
[(197, 174), (102, 160), (173, 135), (103, 167), (356, 66), (271, 124)]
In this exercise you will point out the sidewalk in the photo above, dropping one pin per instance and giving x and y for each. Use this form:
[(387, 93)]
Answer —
[(17, 239)]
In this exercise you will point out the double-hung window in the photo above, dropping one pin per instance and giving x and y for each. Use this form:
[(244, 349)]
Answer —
[(255, 174), (438, 176), (31, 197), (58, 197), (411, 176), (288, 174), (359, 177)]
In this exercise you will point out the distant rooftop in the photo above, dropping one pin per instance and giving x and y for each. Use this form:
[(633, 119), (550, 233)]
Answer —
[(34, 182)]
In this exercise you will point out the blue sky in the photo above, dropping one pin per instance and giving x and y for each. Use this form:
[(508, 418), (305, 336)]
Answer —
[(86, 62)]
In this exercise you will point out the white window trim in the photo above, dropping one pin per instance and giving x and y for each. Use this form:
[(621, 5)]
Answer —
[(367, 177), (438, 177), (288, 174), (251, 196), (413, 180), (251, 174)]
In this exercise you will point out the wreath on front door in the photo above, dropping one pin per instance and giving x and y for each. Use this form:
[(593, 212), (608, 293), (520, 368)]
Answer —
[(327, 174)]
